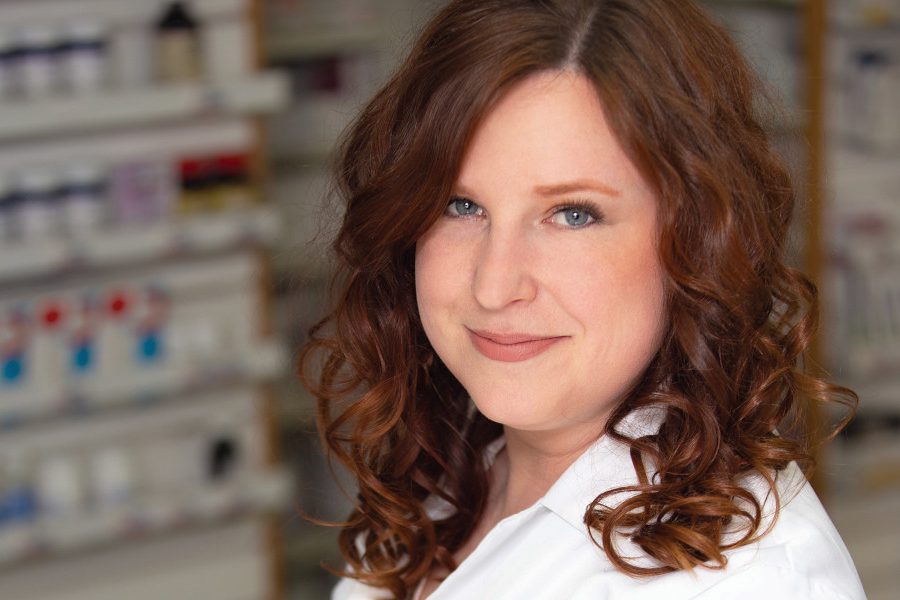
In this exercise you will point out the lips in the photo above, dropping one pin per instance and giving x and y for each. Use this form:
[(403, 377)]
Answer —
[(511, 347)]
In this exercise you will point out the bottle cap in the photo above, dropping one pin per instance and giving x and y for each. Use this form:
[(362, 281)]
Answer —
[(177, 16)]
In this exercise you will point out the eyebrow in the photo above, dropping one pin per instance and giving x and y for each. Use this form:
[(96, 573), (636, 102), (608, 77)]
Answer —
[(580, 185), (560, 189)]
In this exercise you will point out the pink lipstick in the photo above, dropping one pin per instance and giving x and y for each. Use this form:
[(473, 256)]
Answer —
[(510, 347)]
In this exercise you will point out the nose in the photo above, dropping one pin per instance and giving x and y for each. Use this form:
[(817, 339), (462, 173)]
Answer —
[(503, 273)]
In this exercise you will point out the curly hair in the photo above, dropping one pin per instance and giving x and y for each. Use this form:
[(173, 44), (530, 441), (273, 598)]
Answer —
[(730, 371)]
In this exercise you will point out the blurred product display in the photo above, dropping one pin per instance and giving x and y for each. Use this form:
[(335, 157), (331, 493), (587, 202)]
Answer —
[(178, 44), (135, 356), (165, 215), (860, 216)]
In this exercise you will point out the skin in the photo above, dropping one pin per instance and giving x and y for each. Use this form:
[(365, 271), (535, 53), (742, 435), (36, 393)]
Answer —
[(511, 256)]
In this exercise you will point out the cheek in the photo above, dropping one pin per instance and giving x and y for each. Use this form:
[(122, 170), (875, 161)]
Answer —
[(435, 276), (616, 291)]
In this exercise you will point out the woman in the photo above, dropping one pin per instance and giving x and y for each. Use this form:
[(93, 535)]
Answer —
[(563, 357)]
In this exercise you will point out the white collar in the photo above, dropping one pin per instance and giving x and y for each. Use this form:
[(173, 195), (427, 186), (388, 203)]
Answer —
[(606, 464)]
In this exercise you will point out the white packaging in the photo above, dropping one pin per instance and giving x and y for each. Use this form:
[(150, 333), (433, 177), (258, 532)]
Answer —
[(151, 327), (82, 331), (112, 478), (37, 69), (38, 214), (85, 62), (60, 487), (114, 338), (49, 356), (84, 204), (15, 336)]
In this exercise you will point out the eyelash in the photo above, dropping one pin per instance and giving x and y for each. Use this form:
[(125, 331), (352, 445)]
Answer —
[(589, 208)]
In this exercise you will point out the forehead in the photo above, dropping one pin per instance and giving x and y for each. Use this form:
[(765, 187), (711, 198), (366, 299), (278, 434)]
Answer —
[(550, 127)]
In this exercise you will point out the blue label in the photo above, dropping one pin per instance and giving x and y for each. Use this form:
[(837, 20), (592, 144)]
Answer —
[(18, 504), (150, 347), (83, 357), (13, 368)]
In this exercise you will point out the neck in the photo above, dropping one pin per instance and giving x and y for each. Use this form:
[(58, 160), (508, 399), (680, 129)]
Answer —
[(530, 464)]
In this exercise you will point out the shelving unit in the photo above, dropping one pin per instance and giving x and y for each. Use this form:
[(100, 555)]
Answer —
[(166, 103), (191, 237), (850, 222), (138, 448), (337, 54)]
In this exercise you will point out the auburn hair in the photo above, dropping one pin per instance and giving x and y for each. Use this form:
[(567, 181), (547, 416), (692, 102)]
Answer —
[(730, 373)]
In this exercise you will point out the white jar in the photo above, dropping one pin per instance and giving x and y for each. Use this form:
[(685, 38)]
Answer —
[(36, 64), (38, 212), (84, 58), (83, 198), (60, 487), (112, 478)]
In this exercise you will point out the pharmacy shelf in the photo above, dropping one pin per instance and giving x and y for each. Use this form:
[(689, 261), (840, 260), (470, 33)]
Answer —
[(295, 45), (256, 364), (249, 495), (877, 394), (110, 11), (196, 235), (56, 116)]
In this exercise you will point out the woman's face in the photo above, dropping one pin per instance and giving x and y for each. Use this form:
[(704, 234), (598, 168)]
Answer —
[(540, 287)]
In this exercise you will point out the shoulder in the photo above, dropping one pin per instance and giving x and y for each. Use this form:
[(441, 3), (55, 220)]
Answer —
[(802, 557)]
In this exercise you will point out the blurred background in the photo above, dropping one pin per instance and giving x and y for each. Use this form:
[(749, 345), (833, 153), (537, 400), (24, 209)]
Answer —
[(164, 229)]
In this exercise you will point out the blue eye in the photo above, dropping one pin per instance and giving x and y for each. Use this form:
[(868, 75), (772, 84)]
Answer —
[(462, 207), (576, 216)]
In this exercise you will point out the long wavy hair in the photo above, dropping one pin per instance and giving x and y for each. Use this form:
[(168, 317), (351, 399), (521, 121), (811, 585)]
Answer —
[(730, 371)]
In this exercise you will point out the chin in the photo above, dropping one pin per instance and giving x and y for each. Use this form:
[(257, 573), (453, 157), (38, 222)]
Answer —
[(515, 413)]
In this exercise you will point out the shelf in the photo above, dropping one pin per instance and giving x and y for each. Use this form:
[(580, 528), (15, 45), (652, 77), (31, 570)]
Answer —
[(198, 235), (298, 45), (877, 394), (261, 363), (261, 492), (859, 28), (111, 11), (67, 114)]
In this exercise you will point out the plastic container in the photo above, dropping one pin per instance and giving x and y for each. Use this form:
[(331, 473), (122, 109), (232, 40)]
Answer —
[(84, 56), (83, 198), (61, 487), (38, 205), (36, 61), (112, 478), (178, 44)]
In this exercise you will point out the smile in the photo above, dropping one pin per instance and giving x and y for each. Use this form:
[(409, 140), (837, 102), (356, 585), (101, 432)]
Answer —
[(510, 347)]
